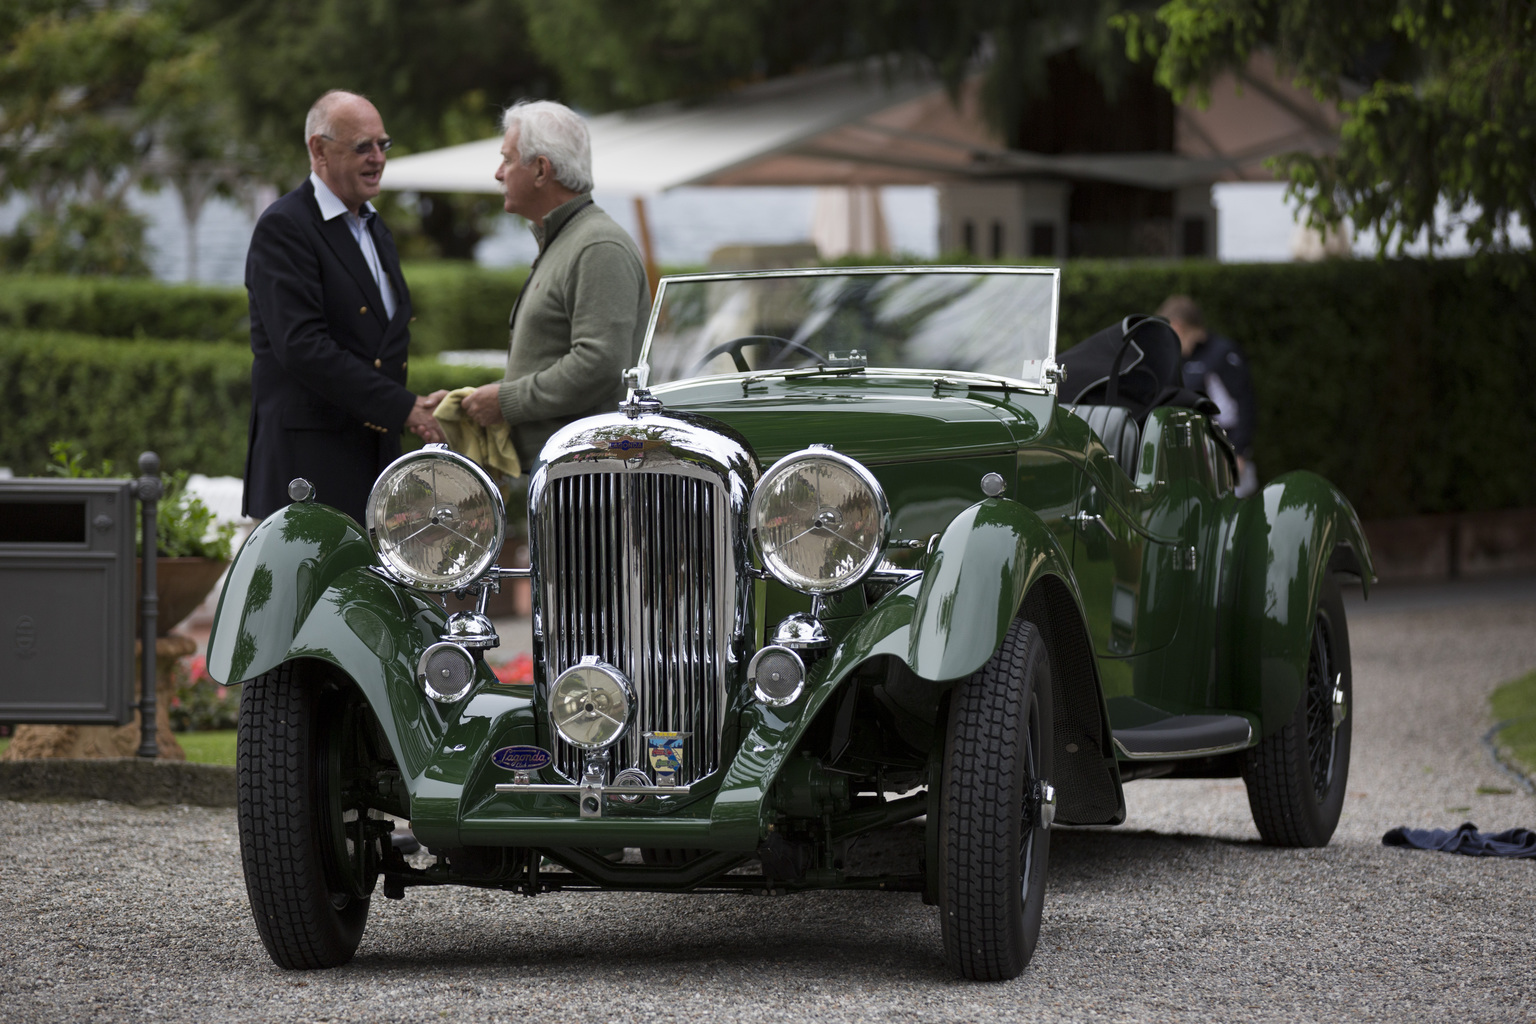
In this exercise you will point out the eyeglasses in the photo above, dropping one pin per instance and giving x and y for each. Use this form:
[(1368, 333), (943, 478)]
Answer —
[(366, 147)]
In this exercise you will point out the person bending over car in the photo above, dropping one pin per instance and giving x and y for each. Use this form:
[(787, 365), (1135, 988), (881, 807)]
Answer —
[(1214, 366)]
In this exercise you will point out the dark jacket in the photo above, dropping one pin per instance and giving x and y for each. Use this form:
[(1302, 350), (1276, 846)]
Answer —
[(328, 394), (1216, 368)]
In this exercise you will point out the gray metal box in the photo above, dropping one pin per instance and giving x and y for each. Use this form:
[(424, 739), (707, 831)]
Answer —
[(67, 570)]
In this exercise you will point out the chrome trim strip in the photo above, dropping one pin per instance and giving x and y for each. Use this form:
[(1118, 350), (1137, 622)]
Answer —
[(574, 790), (1173, 755)]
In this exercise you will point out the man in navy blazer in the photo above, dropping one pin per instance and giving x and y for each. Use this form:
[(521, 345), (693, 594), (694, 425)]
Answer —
[(330, 324)]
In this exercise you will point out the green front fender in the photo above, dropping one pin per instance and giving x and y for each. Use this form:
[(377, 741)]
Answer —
[(1288, 538), (943, 625), (984, 564), (290, 559)]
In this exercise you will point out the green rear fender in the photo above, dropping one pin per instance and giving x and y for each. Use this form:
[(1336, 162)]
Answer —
[(1288, 538)]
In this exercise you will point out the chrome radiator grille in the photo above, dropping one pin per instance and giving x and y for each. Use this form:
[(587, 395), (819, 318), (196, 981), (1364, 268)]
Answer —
[(637, 569)]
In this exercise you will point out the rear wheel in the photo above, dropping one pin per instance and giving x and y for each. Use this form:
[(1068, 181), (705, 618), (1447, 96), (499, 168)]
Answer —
[(310, 847), (994, 810), (1296, 777)]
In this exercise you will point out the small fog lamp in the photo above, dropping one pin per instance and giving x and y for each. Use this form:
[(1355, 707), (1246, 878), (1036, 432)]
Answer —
[(777, 675), (591, 704), (446, 672)]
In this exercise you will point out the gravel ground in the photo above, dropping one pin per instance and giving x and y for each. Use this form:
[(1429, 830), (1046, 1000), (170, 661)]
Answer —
[(114, 913)]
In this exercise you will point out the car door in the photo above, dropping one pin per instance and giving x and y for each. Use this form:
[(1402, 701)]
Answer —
[(1128, 558)]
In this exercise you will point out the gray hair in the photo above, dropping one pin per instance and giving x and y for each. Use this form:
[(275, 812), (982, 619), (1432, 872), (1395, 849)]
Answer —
[(318, 120), (557, 133)]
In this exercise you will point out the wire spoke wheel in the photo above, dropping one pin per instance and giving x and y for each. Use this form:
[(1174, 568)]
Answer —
[(1296, 776)]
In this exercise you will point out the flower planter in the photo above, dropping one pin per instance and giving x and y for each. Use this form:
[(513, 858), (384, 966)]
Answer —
[(181, 584)]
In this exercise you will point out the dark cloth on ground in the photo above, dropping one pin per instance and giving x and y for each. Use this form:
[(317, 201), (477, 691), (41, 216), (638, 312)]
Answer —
[(1514, 842)]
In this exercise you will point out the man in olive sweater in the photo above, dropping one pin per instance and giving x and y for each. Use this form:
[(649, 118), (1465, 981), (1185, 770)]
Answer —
[(580, 319)]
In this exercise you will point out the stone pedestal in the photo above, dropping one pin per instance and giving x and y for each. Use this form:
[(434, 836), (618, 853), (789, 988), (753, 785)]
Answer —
[(33, 741)]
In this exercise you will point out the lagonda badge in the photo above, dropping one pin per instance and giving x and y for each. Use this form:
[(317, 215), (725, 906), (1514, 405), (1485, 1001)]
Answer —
[(521, 758)]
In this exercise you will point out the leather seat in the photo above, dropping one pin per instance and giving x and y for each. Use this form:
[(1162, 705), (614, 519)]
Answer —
[(1117, 429)]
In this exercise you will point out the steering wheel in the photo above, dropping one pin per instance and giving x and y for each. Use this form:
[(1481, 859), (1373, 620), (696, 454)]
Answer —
[(735, 345)]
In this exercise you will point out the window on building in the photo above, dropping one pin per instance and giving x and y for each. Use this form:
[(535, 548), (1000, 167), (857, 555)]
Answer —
[(997, 239), (1193, 240), (1042, 238), (968, 236)]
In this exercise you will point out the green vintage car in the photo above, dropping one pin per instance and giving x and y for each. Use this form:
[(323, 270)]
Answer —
[(860, 553)]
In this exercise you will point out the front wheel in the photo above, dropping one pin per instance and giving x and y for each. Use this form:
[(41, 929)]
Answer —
[(1296, 777), (994, 810), (309, 847)]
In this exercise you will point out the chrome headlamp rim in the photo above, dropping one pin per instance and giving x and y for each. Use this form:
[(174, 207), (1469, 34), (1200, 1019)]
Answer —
[(481, 565), (427, 656), (592, 662), (871, 560)]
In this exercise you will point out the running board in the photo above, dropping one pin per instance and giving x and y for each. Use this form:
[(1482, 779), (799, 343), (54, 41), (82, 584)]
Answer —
[(1184, 736)]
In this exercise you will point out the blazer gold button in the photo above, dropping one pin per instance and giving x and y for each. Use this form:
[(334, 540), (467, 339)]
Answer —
[(403, 363), (362, 309), (377, 364)]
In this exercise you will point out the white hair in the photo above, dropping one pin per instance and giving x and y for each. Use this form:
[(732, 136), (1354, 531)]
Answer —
[(557, 133), (318, 120)]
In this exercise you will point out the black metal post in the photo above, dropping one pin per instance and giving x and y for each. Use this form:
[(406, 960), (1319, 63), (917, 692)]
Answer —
[(148, 488)]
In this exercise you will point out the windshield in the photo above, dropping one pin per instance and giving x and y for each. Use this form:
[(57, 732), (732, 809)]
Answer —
[(997, 321)]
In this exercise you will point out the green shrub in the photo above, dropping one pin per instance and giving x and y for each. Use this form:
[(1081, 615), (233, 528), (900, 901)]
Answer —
[(184, 524), (1406, 382), (122, 308), (190, 402), (460, 306)]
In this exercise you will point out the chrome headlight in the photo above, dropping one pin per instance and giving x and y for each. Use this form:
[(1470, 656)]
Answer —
[(436, 519), (819, 520), (591, 705)]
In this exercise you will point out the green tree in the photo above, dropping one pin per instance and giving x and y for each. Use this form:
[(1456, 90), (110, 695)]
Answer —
[(616, 54), (97, 96), (439, 74), (1439, 100)]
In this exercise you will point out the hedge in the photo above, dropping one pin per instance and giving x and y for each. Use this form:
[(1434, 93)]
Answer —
[(122, 308), (189, 401), (1411, 384), (456, 305)]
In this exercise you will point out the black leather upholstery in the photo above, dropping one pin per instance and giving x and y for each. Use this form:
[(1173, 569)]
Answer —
[(1117, 429)]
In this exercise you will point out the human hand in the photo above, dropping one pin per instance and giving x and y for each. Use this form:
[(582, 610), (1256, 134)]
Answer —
[(421, 422), (483, 405), (434, 400)]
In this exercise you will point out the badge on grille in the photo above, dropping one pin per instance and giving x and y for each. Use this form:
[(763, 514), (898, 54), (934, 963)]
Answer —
[(665, 750), (521, 758)]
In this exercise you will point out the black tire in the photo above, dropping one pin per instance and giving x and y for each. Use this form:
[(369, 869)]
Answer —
[(993, 844), (1296, 777), (309, 847)]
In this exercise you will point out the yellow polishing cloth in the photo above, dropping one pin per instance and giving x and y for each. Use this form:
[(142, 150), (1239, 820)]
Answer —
[(491, 447)]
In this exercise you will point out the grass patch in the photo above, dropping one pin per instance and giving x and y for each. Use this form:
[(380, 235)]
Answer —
[(201, 747), (1515, 703), (213, 747)]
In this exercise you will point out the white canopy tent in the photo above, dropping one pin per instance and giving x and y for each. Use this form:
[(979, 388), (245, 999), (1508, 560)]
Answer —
[(854, 126)]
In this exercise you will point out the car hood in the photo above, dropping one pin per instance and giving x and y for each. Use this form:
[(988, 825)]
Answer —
[(874, 420)]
